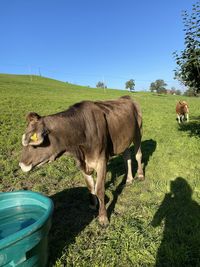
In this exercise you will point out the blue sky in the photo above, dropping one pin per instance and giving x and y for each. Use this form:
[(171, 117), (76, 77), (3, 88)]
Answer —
[(86, 41)]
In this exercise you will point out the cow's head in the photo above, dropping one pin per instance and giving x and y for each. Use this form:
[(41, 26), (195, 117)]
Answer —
[(39, 146), (35, 131)]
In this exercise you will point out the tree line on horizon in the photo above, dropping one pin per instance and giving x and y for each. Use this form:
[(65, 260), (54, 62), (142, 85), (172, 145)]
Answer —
[(159, 86)]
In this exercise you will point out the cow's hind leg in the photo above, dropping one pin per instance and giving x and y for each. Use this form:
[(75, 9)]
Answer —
[(91, 186), (100, 191), (128, 165), (138, 156)]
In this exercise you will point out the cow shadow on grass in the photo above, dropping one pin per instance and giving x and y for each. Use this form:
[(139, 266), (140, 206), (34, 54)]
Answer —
[(71, 215), (71, 206), (116, 167), (192, 127), (180, 245)]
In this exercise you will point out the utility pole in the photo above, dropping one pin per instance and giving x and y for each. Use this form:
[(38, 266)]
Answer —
[(39, 72), (104, 88), (31, 78)]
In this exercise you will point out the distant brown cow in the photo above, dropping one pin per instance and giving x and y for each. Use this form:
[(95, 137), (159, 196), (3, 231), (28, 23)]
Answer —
[(182, 111), (91, 132)]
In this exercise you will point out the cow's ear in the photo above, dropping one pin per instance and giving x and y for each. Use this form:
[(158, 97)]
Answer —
[(32, 117)]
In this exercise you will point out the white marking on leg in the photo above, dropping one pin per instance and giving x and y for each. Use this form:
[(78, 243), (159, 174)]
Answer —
[(129, 171), (138, 157), (128, 165), (91, 186), (187, 117), (90, 183)]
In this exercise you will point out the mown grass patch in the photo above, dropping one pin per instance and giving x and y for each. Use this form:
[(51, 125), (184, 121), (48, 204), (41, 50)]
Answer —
[(152, 223)]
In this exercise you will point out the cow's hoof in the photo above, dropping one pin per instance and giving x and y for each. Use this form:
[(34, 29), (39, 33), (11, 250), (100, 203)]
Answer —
[(140, 177), (129, 182), (103, 221), (129, 179), (94, 203)]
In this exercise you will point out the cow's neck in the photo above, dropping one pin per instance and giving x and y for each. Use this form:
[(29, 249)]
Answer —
[(69, 131)]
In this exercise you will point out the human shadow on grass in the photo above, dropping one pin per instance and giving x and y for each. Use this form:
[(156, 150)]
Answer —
[(117, 168), (192, 127), (180, 245)]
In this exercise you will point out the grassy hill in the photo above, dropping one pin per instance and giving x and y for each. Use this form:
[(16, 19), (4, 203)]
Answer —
[(155, 222)]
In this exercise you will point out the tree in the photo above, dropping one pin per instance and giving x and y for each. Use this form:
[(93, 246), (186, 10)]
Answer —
[(130, 84), (178, 92), (190, 92), (188, 61), (174, 91), (101, 85), (158, 86)]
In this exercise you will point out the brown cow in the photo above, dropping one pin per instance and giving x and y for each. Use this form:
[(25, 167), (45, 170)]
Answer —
[(182, 111), (91, 132)]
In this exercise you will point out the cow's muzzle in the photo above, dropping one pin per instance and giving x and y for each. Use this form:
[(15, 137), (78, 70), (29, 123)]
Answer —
[(25, 168)]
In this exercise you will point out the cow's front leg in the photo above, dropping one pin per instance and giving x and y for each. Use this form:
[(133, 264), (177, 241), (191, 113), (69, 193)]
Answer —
[(179, 118), (91, 186), (100, 191), (187, 117)]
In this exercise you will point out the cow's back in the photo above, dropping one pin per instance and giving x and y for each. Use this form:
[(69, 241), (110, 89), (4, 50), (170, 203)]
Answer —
[(124, 121)]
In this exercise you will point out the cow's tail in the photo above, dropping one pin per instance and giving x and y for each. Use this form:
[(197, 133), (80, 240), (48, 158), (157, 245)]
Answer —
[(138, 115)]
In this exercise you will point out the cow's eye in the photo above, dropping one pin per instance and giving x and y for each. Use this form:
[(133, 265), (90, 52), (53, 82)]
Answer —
[(45, 132)]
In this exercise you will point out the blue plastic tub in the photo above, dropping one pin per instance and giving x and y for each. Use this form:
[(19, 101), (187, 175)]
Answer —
[(25, 221)]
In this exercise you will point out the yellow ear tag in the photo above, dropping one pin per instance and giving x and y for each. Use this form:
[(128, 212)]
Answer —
[(34, 137)]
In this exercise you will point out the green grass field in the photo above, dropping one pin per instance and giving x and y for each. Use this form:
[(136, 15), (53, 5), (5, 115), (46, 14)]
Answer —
[(152, 223)]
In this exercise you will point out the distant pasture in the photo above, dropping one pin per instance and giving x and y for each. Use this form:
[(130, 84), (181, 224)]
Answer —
[(151, 222)]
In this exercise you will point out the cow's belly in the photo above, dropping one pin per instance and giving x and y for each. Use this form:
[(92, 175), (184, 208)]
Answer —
[(120, 146)]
